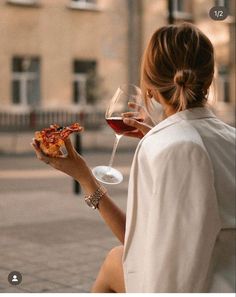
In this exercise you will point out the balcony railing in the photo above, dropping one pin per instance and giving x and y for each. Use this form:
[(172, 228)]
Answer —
[(38, 119)]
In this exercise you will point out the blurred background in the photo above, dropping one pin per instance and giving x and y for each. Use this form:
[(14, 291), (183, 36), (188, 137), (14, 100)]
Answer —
[(60, 62)]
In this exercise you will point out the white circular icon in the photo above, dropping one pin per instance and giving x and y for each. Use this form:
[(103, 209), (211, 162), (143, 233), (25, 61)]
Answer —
[(15, 278)]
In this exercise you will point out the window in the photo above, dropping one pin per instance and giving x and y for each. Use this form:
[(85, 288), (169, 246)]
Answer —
[(223, 84), (25, 81), (23, 2), (224, 3), (84, 82), (180, 9), (83, 4), (178, 5)]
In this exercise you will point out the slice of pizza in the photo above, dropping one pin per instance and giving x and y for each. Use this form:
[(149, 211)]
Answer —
[(51, 140)]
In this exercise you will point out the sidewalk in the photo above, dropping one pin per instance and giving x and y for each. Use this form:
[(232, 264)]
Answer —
[(56, 242), (48, 233)]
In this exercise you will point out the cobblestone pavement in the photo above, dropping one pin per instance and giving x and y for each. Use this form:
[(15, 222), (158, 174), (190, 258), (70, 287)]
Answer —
[(48, 233)]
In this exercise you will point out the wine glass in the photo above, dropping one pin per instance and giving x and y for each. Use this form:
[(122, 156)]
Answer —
[(119, 105)]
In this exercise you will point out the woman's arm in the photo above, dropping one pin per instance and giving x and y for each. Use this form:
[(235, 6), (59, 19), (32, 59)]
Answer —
[(75, 166), (113, 216)]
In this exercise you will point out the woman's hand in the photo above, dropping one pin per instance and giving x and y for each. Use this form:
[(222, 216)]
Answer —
[(130, 118), (73, 164)]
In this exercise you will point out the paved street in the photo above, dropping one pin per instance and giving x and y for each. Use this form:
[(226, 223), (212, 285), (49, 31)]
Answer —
[(48, 233)]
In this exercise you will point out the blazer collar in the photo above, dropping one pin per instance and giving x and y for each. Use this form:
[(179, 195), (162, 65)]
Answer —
[(188, 114)]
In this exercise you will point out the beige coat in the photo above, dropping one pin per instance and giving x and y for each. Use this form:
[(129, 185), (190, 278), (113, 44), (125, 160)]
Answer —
[(180, 229)]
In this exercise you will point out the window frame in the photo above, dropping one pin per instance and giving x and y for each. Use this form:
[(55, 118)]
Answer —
[(23, 77), (24, 2), (82, 69), (181, 14), (222, 3), (83, 5), (81, 80), (223, 82)]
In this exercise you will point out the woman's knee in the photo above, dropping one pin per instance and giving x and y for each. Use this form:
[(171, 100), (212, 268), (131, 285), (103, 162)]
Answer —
[(114, 256), (116, 251), (113, 269), (110, 277)]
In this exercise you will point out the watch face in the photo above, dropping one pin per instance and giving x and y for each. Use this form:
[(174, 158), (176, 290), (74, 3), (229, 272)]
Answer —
[(90, 203), (94, 201)]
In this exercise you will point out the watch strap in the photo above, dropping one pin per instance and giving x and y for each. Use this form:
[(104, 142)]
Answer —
[(93, 199)]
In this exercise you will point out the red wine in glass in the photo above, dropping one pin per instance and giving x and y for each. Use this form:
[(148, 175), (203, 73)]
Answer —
[(117, 124)]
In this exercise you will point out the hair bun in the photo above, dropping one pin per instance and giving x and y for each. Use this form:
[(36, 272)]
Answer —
[(184, 77)]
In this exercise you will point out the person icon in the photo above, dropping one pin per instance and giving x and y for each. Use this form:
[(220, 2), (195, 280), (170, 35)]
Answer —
[(14, 278)]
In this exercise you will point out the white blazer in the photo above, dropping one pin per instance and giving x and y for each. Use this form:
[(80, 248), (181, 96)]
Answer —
[(180, 228)]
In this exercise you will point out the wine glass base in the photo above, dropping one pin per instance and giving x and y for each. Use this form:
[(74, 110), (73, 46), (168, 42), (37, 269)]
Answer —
[(107, 175)]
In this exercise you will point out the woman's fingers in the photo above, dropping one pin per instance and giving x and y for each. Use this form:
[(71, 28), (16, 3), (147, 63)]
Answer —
[(131, 114), (140, 126), (133, 123), (54, 161), (69, 147), (134, 105), (139, 111), (39, 153)]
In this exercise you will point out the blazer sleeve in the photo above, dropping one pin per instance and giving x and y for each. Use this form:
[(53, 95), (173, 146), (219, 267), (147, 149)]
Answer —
[(183, 221)]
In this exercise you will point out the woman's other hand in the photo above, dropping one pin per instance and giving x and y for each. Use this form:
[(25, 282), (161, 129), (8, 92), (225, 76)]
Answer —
[(131, 119), (73, 164)]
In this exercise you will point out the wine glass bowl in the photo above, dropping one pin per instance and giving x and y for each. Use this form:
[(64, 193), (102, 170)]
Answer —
[(127, 100)]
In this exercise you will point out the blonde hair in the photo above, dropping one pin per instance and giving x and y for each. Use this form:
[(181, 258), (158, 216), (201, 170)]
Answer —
[(179, 64)]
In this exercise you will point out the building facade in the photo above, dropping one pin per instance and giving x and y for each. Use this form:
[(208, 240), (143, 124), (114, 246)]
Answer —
[(53, 51), (73, 54)]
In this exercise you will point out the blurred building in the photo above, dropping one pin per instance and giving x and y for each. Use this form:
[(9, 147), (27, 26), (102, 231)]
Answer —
[(72, 54), (53, 53), (221, 33)]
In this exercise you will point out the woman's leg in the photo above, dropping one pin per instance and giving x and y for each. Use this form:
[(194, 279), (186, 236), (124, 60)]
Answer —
[(110, 278)]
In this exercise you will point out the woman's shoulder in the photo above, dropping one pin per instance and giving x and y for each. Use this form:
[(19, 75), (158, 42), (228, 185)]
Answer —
[(175, 147), (171, 136)]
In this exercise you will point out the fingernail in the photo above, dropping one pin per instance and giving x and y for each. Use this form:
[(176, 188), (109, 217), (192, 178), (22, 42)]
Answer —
[(126, 121)]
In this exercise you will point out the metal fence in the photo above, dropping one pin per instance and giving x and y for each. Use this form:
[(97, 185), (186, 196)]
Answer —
[(38, 119)]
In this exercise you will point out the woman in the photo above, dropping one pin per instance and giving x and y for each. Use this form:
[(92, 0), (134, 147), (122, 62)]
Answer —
[(178, 232)]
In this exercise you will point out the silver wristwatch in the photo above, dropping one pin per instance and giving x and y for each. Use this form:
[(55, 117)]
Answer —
[(93, 199)]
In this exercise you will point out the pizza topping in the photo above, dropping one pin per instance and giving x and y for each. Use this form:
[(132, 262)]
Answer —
[(54, 136)]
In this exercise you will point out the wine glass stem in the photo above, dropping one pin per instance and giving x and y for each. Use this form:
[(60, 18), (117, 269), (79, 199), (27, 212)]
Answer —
[(118, 137)]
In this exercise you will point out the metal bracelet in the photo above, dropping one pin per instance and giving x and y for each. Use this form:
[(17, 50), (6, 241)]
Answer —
[(93, 199)]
